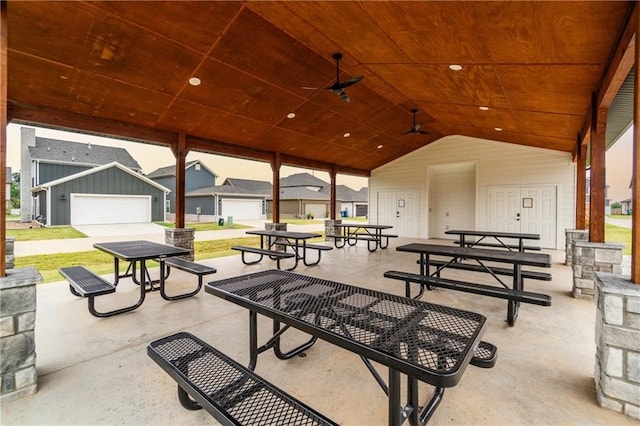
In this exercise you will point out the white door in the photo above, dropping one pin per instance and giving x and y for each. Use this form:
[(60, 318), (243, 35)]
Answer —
[(400, 210), (528, 209), (96, 209), (242, 209)]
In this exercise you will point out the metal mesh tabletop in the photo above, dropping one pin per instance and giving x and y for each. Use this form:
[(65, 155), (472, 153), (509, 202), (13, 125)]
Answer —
[(433, 343), (522, 258), (140, 249)]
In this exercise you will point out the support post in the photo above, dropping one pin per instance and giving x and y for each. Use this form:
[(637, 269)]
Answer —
[(598, 185), (275, 168), (635, 172), (581, 187), (3, 132), (180, 152), (333, 201)]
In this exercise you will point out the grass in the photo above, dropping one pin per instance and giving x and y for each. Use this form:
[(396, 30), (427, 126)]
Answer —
[(102, 263), (618, 234), (50, 233)]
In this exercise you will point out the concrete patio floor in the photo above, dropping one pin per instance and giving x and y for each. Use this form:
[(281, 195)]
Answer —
[(96, 371)]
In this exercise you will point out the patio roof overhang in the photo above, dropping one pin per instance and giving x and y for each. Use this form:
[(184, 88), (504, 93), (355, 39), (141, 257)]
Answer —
[(123, 69)]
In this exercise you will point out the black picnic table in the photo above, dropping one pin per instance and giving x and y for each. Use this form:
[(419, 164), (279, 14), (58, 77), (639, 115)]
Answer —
[(423, 341), (500, 238), (297, 241), (517, 259), (351, 233)]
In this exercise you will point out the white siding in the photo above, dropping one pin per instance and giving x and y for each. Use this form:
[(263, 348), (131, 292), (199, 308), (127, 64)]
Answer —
[(497, 163)]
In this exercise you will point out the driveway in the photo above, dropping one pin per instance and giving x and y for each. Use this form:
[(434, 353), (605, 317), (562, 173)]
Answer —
[(623, 222)]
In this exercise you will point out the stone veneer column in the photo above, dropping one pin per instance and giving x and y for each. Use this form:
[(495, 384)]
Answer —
[(617, 367), (181, 237), (589, 258), (329, 228), (18, 375), (572, 235), (276, 227)]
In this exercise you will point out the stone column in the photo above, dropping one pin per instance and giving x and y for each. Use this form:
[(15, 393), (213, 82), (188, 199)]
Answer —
[(330, 229), (19, 377), (589, 258), (181, 237), (9, 256), (617, 366), (572, 235), (276, 227)]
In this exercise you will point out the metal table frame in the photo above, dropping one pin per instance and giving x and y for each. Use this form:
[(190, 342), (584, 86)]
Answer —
[(498, 236), (426, 342), (296, 240), (137, 252), (351, 231), (517, 259)]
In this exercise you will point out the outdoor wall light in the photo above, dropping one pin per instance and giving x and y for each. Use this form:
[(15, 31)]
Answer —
[(155, 198), (63, 197)]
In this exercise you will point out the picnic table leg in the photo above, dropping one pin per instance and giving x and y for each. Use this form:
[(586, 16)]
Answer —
[(513, 306), (396, 415)]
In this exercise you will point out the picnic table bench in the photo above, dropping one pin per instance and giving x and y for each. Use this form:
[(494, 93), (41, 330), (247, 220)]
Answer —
[(352, 233), (495, 239), (190, 267), (230, 392)]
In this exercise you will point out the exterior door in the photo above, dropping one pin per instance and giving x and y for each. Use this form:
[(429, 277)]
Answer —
[(400, 210), (529, 209)]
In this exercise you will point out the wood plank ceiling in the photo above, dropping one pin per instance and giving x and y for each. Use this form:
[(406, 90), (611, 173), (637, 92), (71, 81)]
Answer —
[(126, 65)]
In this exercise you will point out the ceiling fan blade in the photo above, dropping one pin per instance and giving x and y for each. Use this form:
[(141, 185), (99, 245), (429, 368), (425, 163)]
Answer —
[(309, 88), (344, 96), (352, 81)]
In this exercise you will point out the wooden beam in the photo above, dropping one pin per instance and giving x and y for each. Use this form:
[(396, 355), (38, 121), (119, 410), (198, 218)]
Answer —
[(332, 197), (275, 195), (581, 187), (80, 123), (597, 178), (635, 189), (621, 62), (3, 136), (180, 152)]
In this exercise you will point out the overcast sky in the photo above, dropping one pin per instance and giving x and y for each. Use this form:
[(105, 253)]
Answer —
[(151, 157)]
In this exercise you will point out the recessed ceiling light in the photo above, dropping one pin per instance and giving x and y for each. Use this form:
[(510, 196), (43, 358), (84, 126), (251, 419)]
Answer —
[(484, 108), (346, 135), (194, 81), (291, 115), (380, 146), (64, 77), (498, 129), (455, 67)]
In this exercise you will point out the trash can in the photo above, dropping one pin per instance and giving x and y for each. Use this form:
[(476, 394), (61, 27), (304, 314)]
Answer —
[(221, 222), (229, 221), (344, 213)]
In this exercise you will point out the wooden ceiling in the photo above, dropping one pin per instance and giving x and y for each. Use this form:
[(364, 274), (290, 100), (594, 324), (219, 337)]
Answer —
[(122, 68)]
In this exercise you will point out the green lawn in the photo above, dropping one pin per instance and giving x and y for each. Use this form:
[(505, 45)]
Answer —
[(50, 233), (618, 234)]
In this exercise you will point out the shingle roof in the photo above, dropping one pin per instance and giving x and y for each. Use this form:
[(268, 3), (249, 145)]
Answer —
[(224, 189), (258, 186), (346, 194), (171, 170), (57, 151), (301, 193), (302, 179)]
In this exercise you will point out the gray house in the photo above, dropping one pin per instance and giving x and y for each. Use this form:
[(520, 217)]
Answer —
[(111, 193), (45, 160), (197, 175)]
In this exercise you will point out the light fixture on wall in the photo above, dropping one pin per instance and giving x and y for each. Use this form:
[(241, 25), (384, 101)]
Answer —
[(63, 197), (155, 198)]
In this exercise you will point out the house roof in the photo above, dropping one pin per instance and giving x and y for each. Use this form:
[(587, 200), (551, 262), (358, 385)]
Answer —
[(301, 193), (47, 185), (169, 171), (224, 190), (346, 194), (87, 154), (302, 179), (258, 186)]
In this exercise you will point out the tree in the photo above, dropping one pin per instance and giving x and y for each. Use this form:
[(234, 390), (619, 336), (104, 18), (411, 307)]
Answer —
[(15, 190)]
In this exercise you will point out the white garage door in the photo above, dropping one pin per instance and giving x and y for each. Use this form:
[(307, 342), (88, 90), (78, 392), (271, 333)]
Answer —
[(242, 209), (94, 209)]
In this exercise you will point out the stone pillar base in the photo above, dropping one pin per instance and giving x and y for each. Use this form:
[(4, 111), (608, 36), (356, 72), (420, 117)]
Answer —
[(617, 367), (19, 377), (9, 256), (181, 237), (590, 258), (330, 229), (276, 227), (572, 235)]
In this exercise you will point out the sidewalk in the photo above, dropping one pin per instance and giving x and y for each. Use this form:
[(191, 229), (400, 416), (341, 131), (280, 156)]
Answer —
[(119, 232)]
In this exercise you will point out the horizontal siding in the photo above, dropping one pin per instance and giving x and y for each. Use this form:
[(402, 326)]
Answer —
[(496, 163)]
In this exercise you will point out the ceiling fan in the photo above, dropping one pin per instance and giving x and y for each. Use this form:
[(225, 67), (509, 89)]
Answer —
[(416, 127), (338, 87)]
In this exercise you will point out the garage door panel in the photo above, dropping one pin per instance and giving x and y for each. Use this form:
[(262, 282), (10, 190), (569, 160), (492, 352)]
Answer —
[(94, 209), (242, 209)]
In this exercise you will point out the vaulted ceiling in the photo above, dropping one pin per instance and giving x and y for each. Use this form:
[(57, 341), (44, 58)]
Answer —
[(123, 68)]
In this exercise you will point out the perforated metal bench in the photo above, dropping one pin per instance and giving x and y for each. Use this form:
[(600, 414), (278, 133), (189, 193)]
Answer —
[(84, 283), (275, 255), (534, 275), (230, 392), (188, 266)]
